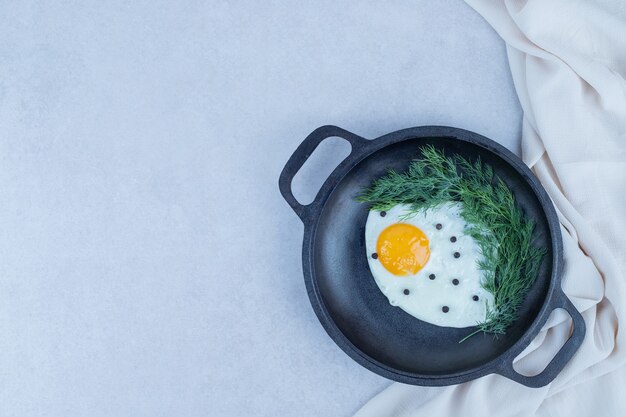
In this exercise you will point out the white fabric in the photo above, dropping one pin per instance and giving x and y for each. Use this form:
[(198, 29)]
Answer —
[(568, 60)]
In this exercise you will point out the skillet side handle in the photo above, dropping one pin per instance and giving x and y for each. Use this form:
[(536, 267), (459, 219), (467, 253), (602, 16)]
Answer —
[(300, 156), (562, 357)]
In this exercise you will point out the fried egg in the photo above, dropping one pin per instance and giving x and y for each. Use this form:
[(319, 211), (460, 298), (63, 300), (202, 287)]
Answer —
[(426, 265)]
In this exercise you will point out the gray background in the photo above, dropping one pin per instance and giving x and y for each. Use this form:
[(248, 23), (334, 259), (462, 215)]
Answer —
[(148, 265)]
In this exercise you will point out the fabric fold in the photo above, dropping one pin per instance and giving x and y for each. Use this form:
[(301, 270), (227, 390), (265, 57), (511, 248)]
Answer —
[(568, 62)]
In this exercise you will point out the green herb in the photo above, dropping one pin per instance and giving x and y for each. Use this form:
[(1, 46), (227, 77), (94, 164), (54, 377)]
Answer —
[(510, 261)]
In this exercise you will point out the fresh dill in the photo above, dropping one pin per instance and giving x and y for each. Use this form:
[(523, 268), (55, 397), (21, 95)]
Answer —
[(510, 261)]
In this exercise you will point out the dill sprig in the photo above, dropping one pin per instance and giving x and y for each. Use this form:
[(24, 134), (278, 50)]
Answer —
[(510, 261)]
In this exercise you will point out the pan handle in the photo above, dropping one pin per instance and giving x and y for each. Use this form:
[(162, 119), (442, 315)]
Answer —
[(562, 357), (303, 152)]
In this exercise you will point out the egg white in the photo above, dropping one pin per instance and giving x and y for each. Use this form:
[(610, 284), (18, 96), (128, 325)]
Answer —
[(427, 297)]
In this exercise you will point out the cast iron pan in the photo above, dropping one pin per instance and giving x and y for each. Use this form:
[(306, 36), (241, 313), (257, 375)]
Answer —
[(358, 317)]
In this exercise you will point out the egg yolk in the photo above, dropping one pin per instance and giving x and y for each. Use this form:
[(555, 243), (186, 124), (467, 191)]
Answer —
[(402, 249)]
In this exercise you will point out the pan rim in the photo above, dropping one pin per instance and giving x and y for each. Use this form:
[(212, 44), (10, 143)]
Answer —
[(326, 319)]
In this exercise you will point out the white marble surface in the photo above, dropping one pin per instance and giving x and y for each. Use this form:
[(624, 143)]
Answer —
[(148, 264)]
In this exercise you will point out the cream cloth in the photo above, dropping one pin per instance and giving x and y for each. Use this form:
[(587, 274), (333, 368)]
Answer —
[(568, 60)]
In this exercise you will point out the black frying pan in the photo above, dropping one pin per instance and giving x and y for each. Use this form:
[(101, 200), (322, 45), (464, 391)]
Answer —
[(358, 317)]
